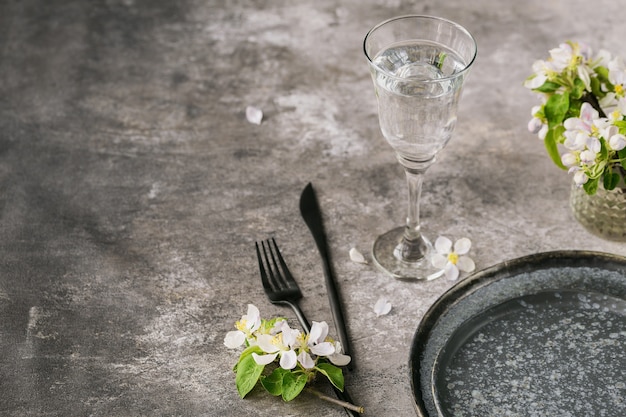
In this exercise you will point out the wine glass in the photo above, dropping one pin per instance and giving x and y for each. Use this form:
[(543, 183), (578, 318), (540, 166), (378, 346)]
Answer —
[(418, 65)]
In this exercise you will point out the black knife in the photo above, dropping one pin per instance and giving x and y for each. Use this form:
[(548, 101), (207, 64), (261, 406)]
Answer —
[(312, 216)]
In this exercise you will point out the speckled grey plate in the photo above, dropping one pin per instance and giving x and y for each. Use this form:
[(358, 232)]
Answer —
[(543, 335)]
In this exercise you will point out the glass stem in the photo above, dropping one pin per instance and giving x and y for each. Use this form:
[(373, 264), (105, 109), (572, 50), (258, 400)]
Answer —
[(414, 247)]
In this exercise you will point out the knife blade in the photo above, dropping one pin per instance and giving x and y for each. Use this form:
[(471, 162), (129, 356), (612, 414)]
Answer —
[(311, 213)]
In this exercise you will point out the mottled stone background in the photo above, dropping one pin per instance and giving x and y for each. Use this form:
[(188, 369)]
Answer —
[(132, 188)]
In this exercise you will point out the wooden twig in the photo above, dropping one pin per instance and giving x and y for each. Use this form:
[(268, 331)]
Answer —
[(344, 404)]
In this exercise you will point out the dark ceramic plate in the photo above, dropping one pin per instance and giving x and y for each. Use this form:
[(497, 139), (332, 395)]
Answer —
[(543, 335)]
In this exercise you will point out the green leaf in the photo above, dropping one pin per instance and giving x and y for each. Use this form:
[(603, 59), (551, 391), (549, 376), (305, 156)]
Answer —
[(603, 75), (596, 87), (273, 383), (247, 351), (548, 87), (604, 151), (248, 373), (293, 385), (578, 90), (621, 124), (552, 138), (556, 108), (622, 155), (333, 373), (610, 180), (268, 325), (591, 186)]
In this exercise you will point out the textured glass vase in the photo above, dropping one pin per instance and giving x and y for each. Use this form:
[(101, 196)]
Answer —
[(603, 214)]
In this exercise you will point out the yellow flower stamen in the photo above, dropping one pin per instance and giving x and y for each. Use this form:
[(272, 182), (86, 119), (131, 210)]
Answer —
[(241, 325), (453, 258), (594, 129), (619, 90), (616, 115)]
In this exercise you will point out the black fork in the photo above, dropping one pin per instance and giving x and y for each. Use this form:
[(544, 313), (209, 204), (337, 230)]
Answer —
[(278, 283), (281, 288)]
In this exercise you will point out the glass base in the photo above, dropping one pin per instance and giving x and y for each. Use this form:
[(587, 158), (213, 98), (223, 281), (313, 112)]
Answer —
[(387, 254)]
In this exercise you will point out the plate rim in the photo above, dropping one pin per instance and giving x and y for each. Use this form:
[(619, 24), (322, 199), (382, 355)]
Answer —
[(484, 277)]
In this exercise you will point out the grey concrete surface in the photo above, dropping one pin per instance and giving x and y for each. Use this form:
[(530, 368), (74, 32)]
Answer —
[(132, 188)]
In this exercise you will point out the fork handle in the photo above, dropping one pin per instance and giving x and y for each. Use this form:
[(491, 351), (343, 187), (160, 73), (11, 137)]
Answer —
[(299, 315), (342, 395)]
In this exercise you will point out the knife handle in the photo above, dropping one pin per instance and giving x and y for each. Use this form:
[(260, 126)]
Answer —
[(342, 395), (311, 213), (335, 308)]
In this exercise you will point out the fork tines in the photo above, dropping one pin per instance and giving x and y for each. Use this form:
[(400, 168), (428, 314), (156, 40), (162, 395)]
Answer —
[(276, 277)]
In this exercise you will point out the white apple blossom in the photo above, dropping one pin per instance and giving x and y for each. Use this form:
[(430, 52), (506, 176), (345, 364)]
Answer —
[(575, 140), (569, 159), (300, 355), (579, 129), (602, 59), (318, 345), (248, 324), (583, 123), (543, 132), (534, 125), (282, 344), (571, 81), (588, 157), (608, 101), (562, 56), (317, 339), (621, 106), (584, 74), (452, 259), (617, 76), (617, 142), (580, 177), (541, 69)]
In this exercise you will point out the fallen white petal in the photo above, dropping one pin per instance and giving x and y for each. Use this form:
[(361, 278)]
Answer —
[(254, 115), (382, 307), (357, 256)]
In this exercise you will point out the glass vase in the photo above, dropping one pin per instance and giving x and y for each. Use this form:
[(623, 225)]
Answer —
[(603, 214)]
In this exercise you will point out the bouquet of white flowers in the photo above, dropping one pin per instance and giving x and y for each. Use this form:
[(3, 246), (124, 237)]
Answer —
[(294, 358), (583, 110)]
